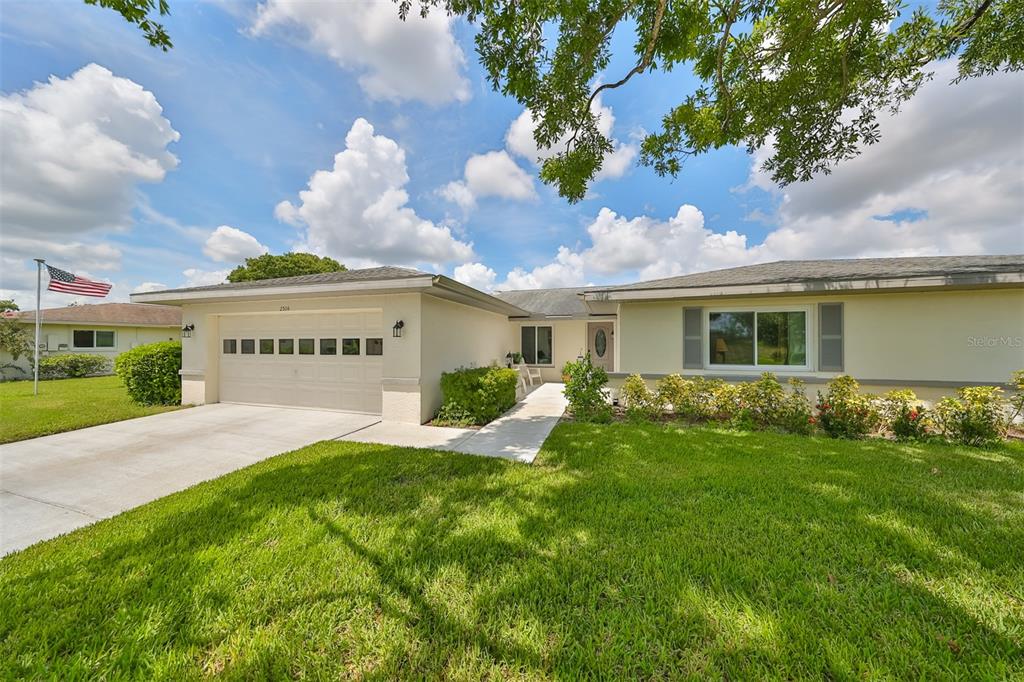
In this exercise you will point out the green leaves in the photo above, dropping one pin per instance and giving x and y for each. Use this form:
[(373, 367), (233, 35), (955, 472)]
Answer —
[(269, 266)]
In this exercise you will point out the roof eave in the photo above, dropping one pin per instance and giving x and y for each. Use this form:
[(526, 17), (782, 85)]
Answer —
[(973, 280), (183, 296), (463, 293)]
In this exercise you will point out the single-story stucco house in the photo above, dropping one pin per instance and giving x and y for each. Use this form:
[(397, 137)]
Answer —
[(376, 340), (106, 329)]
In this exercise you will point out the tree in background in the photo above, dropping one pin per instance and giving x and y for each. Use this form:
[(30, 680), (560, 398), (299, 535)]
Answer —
[(804, 80), (7, 304), (14, 336), (269, 266)]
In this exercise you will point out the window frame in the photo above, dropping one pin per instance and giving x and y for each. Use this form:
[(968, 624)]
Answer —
[(112, 346), (756, 309), (535, 327)]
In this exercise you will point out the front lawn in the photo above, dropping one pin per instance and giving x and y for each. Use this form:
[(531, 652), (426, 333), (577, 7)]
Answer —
[(65, 405), (624, 552)]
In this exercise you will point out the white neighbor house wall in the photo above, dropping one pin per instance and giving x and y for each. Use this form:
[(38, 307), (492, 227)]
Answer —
[(53, 335), (457, 335)]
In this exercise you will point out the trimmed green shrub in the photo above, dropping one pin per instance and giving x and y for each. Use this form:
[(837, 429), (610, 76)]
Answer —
[(482, 392), (641, 403), (904, 415), (1017, 399), (150, 373), (72, 366), (764, 404), (585, 391), (451, 414), (843, 412), (977, 416)]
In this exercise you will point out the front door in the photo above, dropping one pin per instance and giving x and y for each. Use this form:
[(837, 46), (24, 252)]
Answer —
[(601, 344)]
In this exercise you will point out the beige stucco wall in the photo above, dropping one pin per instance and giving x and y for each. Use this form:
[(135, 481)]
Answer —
[(952, 336), (401, 387), (570, 342), (456, 335), (53, 335)]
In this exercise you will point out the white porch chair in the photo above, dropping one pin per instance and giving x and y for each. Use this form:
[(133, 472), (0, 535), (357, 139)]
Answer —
[(531, 374)]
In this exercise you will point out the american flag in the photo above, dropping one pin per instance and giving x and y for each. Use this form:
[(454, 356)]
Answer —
[(67, 283)]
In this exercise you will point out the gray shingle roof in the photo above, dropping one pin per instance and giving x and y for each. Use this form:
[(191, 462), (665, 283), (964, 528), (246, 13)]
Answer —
[(385, 272), (787, 271), (110, 313), (547, 301)]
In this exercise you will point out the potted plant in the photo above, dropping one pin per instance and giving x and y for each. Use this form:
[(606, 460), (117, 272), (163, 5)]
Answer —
[(565, 373)]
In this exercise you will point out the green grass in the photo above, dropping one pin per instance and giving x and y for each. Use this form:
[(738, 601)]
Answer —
[(65, 405), (624, 552)]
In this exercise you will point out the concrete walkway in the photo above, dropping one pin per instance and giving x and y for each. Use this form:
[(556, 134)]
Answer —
[(516, 435), (54, 484)]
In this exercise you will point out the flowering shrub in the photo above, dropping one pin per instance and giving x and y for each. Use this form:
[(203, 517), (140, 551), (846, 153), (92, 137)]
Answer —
[(673, 391), (904, 414), (585, 391), (641, 403), (977, 416), (843, 412), (764, 404)]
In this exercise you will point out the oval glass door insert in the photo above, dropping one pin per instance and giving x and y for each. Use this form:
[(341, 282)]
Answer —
[(600, 343)]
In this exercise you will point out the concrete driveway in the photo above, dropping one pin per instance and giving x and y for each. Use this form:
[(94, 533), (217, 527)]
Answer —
[(54, 484)]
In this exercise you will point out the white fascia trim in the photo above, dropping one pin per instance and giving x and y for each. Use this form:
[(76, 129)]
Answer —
[(293, 290), (842, 286)]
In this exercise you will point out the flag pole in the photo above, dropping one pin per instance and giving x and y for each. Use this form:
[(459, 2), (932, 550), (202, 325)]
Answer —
[(39, 287)]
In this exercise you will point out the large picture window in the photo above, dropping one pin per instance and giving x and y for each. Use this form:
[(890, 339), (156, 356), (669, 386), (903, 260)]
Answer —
[(537, 345), (87, 338), (758, 338)]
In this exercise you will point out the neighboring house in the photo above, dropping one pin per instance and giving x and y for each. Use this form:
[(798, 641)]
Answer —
[(377, 340), (106, 329)]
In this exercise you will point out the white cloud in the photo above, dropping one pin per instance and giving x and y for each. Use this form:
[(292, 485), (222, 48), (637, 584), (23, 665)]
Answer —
[(416, 59), (194, 277), (519, 140), (565, 271), (72, 256), (946, 178), (357, 210), (231, 245), (146, 287), (493, 174), (74, 150), (476, 275)]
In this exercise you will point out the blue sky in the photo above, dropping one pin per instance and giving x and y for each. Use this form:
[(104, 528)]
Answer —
[(260, 107)]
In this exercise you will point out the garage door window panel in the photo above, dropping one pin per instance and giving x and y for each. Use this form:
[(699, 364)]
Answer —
[(350, 346), (230, 346), (286, 346), (328, 346), (266, 346), (307, 347), (375, 346), (248, 346)]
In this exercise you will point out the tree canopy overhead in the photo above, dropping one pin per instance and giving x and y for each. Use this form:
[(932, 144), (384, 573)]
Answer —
[(269, 266), (805, 79)]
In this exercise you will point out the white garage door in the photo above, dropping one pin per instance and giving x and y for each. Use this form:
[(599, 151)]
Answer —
[(329, 360)]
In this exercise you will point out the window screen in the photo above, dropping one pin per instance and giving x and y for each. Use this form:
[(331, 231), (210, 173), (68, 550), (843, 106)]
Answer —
[(105, 339), (83, 338)]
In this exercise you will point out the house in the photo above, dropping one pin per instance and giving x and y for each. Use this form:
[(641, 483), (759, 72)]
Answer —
[(106, 329), (376, 340)]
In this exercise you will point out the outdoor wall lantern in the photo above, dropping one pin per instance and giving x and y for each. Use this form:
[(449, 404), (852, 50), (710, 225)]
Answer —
[(186, 331), (396, 331), (508, 359)]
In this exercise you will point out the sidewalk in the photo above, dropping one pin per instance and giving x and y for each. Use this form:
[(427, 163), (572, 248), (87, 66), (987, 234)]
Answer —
[(516, 435)]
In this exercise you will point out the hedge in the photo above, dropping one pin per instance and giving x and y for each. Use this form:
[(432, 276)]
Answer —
[(482, 392), (72, 366), (150, 373)]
